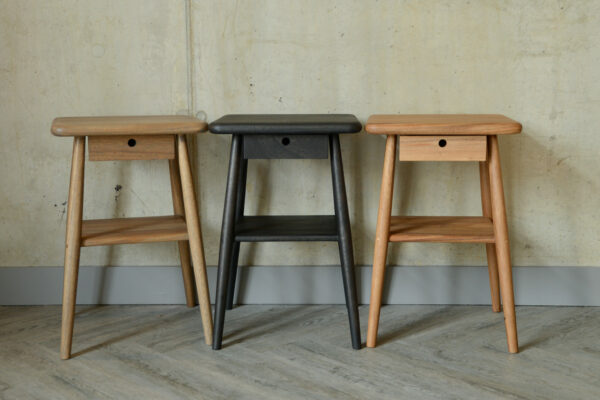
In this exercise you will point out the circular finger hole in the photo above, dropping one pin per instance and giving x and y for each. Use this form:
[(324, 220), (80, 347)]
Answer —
[(131, 142), (285, 141), (442, 143)]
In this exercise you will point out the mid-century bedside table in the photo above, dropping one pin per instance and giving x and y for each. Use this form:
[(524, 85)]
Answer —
[(283, 136), (446, 138), (134, 138)]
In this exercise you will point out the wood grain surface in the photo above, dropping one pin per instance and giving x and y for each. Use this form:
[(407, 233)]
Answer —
[(100, 232), (442, 124), (72, 245), (442, 148), (502, 244), (382, 233), (131, 147), (195, 237), (300, 353), (490, 248), (442, 229), (127, 125)]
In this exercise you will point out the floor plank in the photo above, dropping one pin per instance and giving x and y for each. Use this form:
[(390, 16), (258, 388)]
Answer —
[(300, 352)]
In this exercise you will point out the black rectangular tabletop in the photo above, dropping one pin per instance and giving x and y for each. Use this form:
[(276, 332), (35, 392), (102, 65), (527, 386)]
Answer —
[(286, 124)]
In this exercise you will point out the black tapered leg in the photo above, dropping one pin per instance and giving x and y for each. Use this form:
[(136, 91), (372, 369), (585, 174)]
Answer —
[(345, 238), (227, 239), (239, 213)]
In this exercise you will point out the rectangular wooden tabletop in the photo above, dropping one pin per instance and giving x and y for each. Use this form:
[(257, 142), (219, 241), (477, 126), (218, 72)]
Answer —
[(442, 124), (127, 125)]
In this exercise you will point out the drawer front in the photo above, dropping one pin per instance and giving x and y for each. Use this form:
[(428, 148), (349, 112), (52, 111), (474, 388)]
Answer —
[(282, 146), (133, 147), (443, 148)]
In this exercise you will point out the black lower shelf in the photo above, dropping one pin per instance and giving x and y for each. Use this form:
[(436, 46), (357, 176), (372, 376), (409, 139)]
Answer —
[(287, 228)]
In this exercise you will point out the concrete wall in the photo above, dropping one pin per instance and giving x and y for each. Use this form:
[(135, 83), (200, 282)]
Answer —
[(535, 61)]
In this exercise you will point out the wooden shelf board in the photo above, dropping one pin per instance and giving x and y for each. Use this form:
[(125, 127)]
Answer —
[(100, 232), (286, 228), (442, 229)]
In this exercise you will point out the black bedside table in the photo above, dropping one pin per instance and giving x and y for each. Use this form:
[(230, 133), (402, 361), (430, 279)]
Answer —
[(283, 136)]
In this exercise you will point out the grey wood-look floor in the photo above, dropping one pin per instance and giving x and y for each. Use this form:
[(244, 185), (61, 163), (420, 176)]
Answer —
[(300, 352)]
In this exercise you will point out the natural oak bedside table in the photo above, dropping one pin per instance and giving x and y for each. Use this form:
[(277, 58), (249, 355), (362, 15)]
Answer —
[(134, 138), (446, 138), (283, 136)]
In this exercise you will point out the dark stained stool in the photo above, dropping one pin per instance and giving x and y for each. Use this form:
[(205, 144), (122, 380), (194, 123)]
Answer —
[(283, 137)]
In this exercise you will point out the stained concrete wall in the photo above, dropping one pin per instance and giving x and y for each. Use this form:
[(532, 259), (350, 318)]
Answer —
[(535, 61)]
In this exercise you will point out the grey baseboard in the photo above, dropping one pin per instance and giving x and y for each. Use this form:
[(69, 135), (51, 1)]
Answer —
[(565, 286)]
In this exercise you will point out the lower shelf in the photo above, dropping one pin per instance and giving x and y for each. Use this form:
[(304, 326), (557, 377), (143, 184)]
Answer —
[(286, 228), (442, 229), (99, 232)]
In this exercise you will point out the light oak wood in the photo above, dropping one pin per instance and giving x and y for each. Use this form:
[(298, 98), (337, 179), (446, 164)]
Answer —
[(184, 249), (441, 229), (381, 239), (490, 249), (442, 124), (195, 237), (72, 246), (442, 148), (502, 245), (131, 147), (124, 138), (127, 125), (490, 229), (102, 232)]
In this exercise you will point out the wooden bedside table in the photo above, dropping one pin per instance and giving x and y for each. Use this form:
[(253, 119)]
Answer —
[(283, 136), (446, 138), (134, 138)]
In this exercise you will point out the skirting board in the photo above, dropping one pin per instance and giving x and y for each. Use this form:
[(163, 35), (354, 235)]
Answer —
[(566, 286)]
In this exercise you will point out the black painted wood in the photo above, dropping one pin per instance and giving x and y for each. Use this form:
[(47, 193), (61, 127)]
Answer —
[(287, 228), (238, 228), (285, 146), (286, 124), (345, 239), (239, 213), (227, 239)]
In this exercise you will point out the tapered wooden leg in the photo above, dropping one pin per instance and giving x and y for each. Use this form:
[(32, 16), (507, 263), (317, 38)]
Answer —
[(345, 239), (227, 239), (490, 248), (239, 213), (381, 238), (233, 270), (184, 250), (72, 246), (502, 245), (195, 236)]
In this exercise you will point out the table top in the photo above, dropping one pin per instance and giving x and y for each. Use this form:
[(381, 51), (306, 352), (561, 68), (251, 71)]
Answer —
[(127, 125), (442, 124), (286, 124)]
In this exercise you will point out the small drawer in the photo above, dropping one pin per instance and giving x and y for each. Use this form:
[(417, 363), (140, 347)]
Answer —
[(133, 147), (443, 148), (282, 146)]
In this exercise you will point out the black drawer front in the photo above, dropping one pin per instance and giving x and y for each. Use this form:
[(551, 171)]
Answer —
[(282, 146)]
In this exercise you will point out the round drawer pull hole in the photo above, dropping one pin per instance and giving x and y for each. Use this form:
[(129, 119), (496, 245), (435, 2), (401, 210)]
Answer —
[(442, 143), (131, 142), (285, 141)]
